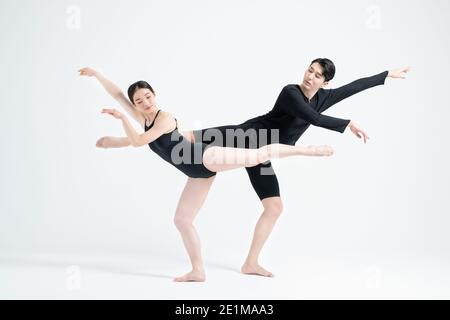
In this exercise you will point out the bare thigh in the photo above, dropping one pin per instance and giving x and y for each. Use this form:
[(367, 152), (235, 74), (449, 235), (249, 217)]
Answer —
[(219, 159), (193, 196)]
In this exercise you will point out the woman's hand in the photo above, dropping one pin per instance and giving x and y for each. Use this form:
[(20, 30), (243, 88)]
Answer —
[(358, 131), (116, 114), (89, 72), (103, 142), (399, 73)]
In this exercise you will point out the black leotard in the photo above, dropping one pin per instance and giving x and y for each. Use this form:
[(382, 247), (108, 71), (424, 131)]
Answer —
[(173, 146)]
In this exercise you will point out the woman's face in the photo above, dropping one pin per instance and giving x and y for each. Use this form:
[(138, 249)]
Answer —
[(144, 100), (313, 79)]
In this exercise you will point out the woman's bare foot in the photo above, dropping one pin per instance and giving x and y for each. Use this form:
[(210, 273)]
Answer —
[(321, 150), (193, 276), (255, 269)]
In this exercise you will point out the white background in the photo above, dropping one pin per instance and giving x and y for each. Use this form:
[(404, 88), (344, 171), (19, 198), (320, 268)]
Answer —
[(374, 212)]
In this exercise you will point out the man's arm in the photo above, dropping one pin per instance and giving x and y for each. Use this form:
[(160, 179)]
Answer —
[(333, 96), (297, 107)]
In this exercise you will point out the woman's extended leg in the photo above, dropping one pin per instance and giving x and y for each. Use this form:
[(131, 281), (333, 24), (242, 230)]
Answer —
[(223, 158), (191, 200)]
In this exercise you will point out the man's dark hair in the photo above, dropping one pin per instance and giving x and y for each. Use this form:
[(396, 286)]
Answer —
[(328, 67)]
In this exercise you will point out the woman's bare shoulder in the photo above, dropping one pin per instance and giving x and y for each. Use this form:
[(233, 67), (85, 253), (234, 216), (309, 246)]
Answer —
[(166, 116), (166, 120)]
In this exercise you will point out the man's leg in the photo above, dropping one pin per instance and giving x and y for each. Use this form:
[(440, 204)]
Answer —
[(265, 183)]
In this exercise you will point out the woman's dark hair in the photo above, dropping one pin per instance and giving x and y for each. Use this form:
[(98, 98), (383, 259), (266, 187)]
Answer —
[(328, 67), (136, 86)]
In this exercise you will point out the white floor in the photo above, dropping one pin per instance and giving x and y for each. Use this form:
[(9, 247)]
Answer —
[(306, 276)]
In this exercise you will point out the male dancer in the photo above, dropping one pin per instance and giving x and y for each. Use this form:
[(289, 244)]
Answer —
[(297, 107)]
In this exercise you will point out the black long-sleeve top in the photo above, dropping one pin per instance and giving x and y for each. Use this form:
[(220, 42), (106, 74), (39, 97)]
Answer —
[(293, 113)]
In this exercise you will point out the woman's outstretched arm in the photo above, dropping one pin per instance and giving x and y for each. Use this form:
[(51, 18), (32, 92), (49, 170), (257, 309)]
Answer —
[(114, 91), (137, 140), (112, 142)]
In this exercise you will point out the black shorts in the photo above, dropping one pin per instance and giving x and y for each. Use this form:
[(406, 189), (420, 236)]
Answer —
[(262, 176)]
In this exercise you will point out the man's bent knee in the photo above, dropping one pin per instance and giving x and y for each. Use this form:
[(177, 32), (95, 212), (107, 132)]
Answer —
[(273, 206)]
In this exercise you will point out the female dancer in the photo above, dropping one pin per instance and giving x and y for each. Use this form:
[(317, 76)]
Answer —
[(162, 135)]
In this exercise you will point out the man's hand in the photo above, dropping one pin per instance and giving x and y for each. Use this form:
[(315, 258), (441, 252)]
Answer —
[(399, 73), (358, 131)]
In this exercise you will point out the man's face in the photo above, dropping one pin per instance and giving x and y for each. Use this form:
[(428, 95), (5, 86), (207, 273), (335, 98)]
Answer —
[(313, 79)]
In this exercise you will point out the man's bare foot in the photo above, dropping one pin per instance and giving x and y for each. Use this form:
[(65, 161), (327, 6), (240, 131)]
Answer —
[(193, 276), (255, 269)]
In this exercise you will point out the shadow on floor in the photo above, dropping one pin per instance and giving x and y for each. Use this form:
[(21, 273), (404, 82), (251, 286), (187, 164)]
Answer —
[(85, 265)]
